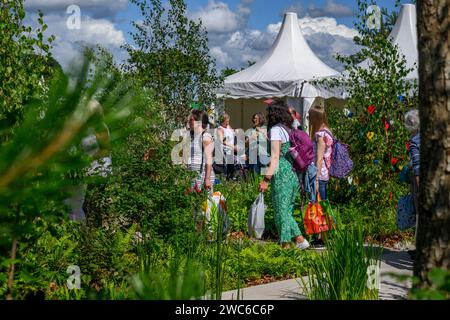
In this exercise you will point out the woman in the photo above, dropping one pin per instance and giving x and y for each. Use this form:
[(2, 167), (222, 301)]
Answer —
[(412, 124), (226, 135), (96, 145), (296, 118), (321, 135), (256, 152), (201, 151), (283, 180)]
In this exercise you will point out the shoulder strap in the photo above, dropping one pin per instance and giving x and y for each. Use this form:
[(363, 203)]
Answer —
[(327, 131), (201, 142), (288, 130)]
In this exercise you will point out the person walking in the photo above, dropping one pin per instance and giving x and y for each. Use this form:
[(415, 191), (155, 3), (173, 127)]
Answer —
[(283, 180), (296, 119), (226, 136), (202, 147), (412, 124), (323, 140), (256, 151), (322, 137)]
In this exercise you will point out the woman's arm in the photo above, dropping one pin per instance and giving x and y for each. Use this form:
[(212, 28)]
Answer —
[(208, 146), (275, 148), (320, 153)]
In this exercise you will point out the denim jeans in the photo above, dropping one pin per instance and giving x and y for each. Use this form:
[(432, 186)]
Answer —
[(323, 189), (309, 179)]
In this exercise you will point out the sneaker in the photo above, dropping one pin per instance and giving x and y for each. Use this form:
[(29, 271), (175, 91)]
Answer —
[(303, 246), (318, 244)]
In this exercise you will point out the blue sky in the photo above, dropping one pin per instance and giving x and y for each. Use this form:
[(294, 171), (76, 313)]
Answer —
[(238, 30)]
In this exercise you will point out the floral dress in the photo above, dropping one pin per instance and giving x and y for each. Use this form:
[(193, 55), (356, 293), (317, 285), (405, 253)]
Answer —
[(284, 189)]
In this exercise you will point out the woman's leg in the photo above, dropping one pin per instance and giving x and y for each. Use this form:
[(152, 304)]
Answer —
[(283, 200), (323, 189)]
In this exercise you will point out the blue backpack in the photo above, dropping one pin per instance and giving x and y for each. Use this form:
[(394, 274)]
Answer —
[(341, 164)]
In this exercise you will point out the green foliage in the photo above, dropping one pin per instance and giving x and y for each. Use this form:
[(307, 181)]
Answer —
[(24, 60), (35, 163), (105, 259), (251, 261), (172, 58), (439, 288), (379, 97), (341, 273)]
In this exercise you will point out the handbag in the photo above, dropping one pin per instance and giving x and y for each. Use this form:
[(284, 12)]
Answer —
[(315, 220), (256, 217), (329, 213), (405, 212)]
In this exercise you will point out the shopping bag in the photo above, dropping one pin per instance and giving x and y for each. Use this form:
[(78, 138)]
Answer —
[(256, 217), (328, 211), (405, 213), (214, 210), (314, 219)]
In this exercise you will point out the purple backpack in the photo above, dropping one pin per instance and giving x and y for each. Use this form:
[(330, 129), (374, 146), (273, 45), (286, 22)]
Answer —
[(301, 150), (341, 164)]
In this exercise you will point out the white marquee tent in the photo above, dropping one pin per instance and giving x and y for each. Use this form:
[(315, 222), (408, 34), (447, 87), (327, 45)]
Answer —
[(280, 73), (403, 34)]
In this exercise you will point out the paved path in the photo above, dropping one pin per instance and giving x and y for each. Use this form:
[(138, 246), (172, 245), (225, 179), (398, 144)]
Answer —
[(393, 261)]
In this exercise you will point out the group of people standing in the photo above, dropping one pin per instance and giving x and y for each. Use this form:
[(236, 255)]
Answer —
[(278, 173)]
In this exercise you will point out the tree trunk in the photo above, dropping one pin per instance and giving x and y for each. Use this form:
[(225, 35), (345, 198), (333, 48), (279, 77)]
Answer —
[(9, 294), (433, 23)]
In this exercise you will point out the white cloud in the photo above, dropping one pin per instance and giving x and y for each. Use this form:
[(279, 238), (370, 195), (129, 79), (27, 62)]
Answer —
[(221, 57), (217, 17), (328, 25), (332, 9), (310, 26), (96, 8), (324, 36), (68, 43)]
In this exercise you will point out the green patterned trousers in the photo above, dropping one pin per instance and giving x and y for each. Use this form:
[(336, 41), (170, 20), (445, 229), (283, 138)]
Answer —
[(284, 190)]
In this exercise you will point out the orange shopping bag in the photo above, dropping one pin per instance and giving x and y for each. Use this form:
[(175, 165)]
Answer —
[(314, 219)]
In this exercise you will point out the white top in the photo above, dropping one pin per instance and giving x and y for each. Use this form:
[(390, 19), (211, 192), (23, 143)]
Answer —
[(89, 143), (278, 133), (296, 124), (228, 135), (196, 152)]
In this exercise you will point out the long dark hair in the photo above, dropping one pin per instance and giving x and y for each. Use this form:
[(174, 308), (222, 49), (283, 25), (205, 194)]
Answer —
[(278, 113), (200, 115)]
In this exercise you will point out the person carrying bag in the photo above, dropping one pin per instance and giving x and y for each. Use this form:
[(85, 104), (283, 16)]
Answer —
[(256, 217)]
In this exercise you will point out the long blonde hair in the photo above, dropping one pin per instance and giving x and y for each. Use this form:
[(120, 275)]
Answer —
[(317, 118)]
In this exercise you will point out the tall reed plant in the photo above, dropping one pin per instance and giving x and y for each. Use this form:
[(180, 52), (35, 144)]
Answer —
[(342, 272)]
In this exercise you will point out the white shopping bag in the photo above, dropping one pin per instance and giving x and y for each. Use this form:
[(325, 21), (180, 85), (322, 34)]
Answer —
[(256, 217)]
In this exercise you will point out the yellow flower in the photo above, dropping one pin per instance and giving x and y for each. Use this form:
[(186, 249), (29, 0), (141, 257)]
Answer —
[(370, 135)]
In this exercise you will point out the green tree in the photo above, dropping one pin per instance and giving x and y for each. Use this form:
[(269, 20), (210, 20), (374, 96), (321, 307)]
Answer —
[(228, 72), (379, 96), (34, 164), (24, 60), (171, 57)]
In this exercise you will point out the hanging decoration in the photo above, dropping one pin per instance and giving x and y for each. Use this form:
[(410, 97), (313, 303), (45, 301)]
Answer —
[(371, 109), (370, 135)]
